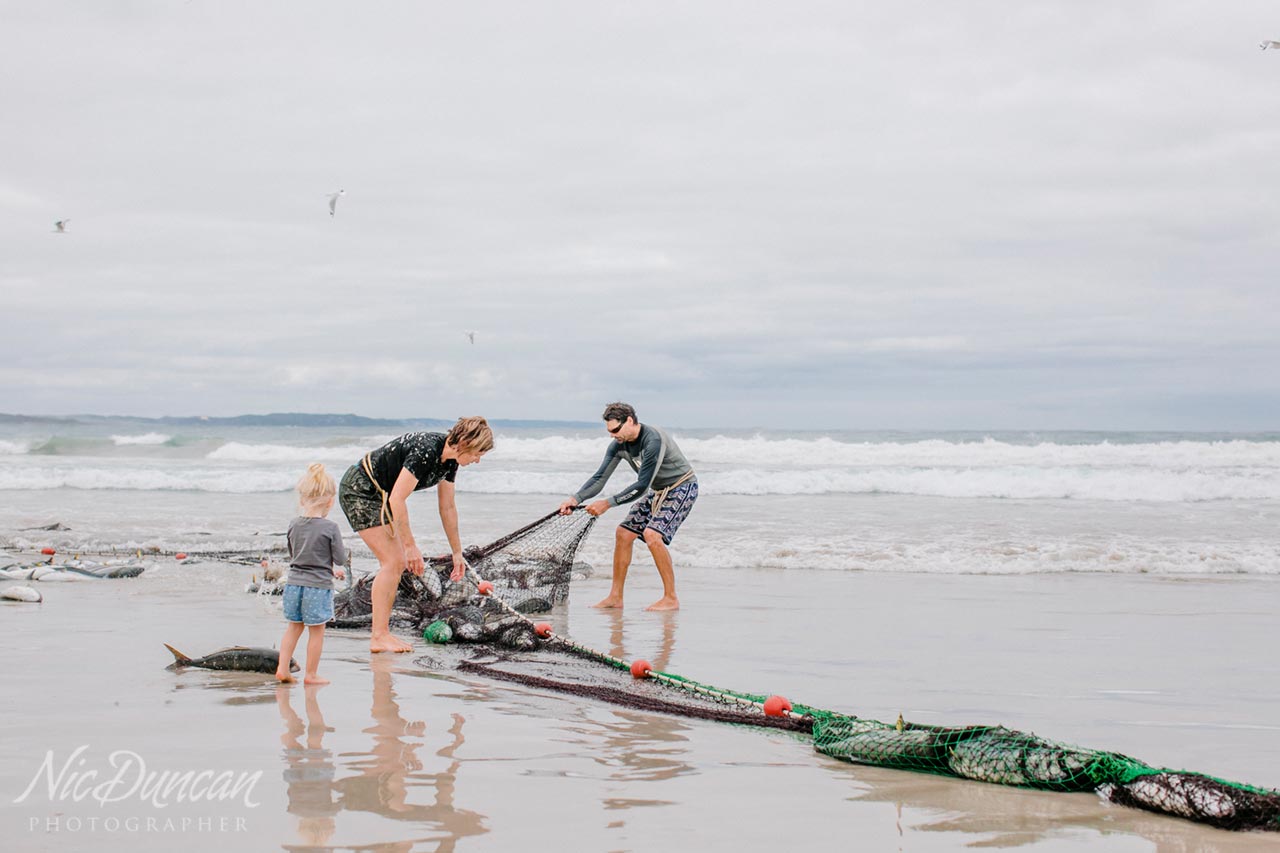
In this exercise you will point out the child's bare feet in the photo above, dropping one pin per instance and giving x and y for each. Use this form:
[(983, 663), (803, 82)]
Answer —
[(315, 679), (284, 676), (667, 602), (609, 602)]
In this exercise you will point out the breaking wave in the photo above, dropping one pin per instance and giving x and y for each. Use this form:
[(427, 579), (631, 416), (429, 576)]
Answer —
[(988, 452), (1182, 469), (145, 439), (235, 451), (1115, 484)]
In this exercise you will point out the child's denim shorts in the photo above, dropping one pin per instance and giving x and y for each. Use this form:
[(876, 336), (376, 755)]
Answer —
[(308, 604)]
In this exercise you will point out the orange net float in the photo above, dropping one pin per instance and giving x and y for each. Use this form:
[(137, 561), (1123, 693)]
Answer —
[(777, 706), (640, 668)]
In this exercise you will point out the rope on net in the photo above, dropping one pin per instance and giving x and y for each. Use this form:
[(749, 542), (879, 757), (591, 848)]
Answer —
[(981, 753)]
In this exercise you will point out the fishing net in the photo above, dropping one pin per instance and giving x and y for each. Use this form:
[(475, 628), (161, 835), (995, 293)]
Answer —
[(535, 565), (1007, 757), (981, 753), (530, 569)]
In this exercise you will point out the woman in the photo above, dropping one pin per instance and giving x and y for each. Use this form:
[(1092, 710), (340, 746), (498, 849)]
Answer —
[(373, 494)]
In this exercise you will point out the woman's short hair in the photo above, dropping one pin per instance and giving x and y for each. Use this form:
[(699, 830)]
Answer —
[(619, 412), (471, 434)]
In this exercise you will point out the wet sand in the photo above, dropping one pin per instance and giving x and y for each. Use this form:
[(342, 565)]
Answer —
[(395, 757)]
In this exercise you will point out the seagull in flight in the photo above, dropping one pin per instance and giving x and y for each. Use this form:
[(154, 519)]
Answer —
[(333, 201), (471, 336), (1267, 44), (60, 227)]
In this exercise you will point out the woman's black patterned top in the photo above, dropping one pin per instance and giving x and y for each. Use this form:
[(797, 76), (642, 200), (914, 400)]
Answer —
[(419, 453)]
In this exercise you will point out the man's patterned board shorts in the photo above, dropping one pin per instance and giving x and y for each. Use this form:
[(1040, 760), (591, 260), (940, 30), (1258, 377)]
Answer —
[(667, 520)]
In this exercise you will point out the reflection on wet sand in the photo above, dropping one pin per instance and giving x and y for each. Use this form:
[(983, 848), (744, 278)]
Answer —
[(389, 771), (309, 770), (386, 779), (640, 746)]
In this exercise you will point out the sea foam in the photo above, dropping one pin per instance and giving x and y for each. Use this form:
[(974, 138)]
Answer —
[(145, 439)]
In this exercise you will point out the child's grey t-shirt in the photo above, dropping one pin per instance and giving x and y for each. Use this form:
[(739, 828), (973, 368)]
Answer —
[(315, 547)]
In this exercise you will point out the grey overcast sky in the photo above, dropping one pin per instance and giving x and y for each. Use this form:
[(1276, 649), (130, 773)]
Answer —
[(802, 214)]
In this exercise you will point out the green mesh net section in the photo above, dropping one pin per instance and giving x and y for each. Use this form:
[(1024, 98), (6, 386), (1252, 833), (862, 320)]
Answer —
[(1006, 757)]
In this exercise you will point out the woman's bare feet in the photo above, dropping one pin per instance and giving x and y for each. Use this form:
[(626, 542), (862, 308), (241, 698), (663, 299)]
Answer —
[(315, 679), (388, 643), (609, 601), (284, 676), (667, 602)]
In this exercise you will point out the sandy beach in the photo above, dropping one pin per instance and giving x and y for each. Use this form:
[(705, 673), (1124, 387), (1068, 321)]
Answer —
[(397, 754), (953, 319)]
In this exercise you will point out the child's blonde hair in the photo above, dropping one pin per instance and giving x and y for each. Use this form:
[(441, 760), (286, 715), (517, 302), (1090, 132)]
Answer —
[(315, 487)]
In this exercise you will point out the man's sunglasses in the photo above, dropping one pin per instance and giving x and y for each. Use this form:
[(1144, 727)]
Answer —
[(617, 429)]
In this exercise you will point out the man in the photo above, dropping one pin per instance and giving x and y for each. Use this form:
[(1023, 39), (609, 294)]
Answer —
[(666, 487)]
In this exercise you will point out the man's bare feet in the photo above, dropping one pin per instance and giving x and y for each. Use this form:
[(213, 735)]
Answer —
[(284, 677), (388, 643), (608, 602), (315, 679), (667, 602)]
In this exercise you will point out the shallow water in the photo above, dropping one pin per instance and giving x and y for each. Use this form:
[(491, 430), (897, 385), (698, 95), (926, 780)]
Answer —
[(393, 756)]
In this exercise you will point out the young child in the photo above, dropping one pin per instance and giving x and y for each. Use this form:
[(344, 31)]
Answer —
[(316, 553)]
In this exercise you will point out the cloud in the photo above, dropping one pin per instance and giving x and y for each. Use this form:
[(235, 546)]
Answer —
[(864, 214)]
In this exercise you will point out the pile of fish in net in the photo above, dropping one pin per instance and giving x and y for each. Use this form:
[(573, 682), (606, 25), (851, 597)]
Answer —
[(530, 570)]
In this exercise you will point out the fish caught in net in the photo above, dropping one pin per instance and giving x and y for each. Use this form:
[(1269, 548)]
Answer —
[(530, 570)]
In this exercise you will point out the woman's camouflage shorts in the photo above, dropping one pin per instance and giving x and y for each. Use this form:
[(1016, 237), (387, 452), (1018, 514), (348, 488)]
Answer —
[(359, 499)]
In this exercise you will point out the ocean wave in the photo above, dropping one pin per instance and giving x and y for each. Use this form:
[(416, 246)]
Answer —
[(1132, 484), (927, 453), (245, 481), (235, 451), (145, 439), (561, 452), (980, 558), (1119, 484)]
